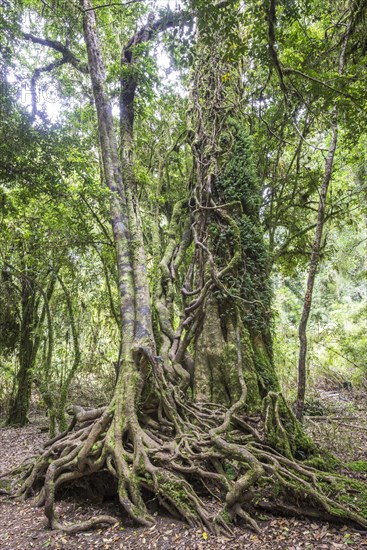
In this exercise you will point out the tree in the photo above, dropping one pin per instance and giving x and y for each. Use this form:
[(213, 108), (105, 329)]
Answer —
[(314, 107), (152, 435), (44, 227), (314, 261)]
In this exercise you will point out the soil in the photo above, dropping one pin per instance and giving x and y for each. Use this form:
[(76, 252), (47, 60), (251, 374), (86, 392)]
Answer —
[(24, 527)]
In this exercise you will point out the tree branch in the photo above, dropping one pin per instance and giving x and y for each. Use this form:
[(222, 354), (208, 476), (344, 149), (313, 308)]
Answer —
[(271, 19), (169, 20), (37, 73), (129, 83), (289, 70), (112, 4), (68, 56)]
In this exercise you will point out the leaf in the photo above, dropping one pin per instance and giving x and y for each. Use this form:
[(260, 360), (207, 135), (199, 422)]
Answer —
[(205, 535)]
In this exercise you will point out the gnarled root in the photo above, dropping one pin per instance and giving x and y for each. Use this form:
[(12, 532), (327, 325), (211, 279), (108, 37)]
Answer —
[(176, 447)]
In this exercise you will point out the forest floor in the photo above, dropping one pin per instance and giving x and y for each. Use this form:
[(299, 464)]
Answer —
[(23, 527)]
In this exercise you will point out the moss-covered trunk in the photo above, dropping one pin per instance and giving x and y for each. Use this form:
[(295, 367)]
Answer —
[(230, 261), (224, 343), (18, 414)]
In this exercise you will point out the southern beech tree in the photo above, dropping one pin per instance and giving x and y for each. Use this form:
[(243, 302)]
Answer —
[(196, 408)]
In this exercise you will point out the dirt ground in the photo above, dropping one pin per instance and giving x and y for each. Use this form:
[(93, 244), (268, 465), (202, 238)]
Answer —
[(24, 527)]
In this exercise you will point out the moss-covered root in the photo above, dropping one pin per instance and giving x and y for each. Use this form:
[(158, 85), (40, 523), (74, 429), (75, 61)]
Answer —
[(358, 466), (259, 475), (190, 447), (283, 432)]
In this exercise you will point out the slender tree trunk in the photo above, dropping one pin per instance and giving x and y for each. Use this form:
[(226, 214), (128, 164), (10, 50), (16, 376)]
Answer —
[(143, 316), (18, 414), (315, 252), (44, 381), (314, 262), (61, 402), (113, 178)]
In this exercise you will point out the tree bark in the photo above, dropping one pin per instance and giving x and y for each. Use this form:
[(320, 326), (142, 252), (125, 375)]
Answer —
[(114, 180), (231, 314), (18, 414)]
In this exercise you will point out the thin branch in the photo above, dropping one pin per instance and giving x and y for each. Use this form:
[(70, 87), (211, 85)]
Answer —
[(282, 140), (299, 233), (271, 19), (98, 220), (112, 4), (288, 70), (146, 32), (342, 356), (37, 73)]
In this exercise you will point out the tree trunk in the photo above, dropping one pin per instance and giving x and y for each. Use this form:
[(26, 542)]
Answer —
[(315, 253), (62, 398), (18, 414), (230, 263)]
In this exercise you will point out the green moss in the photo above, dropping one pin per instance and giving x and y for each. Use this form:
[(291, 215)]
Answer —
[(96, 448), (348, 492), (357, 466), (238, 185), (243, 299), (346, 495), (282, 429), (303, 444), (323, 460), (268, 380), (225, 516), (230, 472), (318, 463), (174, 490), (5, 484)]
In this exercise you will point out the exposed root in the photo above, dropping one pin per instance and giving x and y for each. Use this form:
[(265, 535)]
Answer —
[(185, 450)]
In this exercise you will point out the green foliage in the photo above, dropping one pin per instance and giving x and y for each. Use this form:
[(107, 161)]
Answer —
[(337, 339), (9, 314), (314, 407)]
